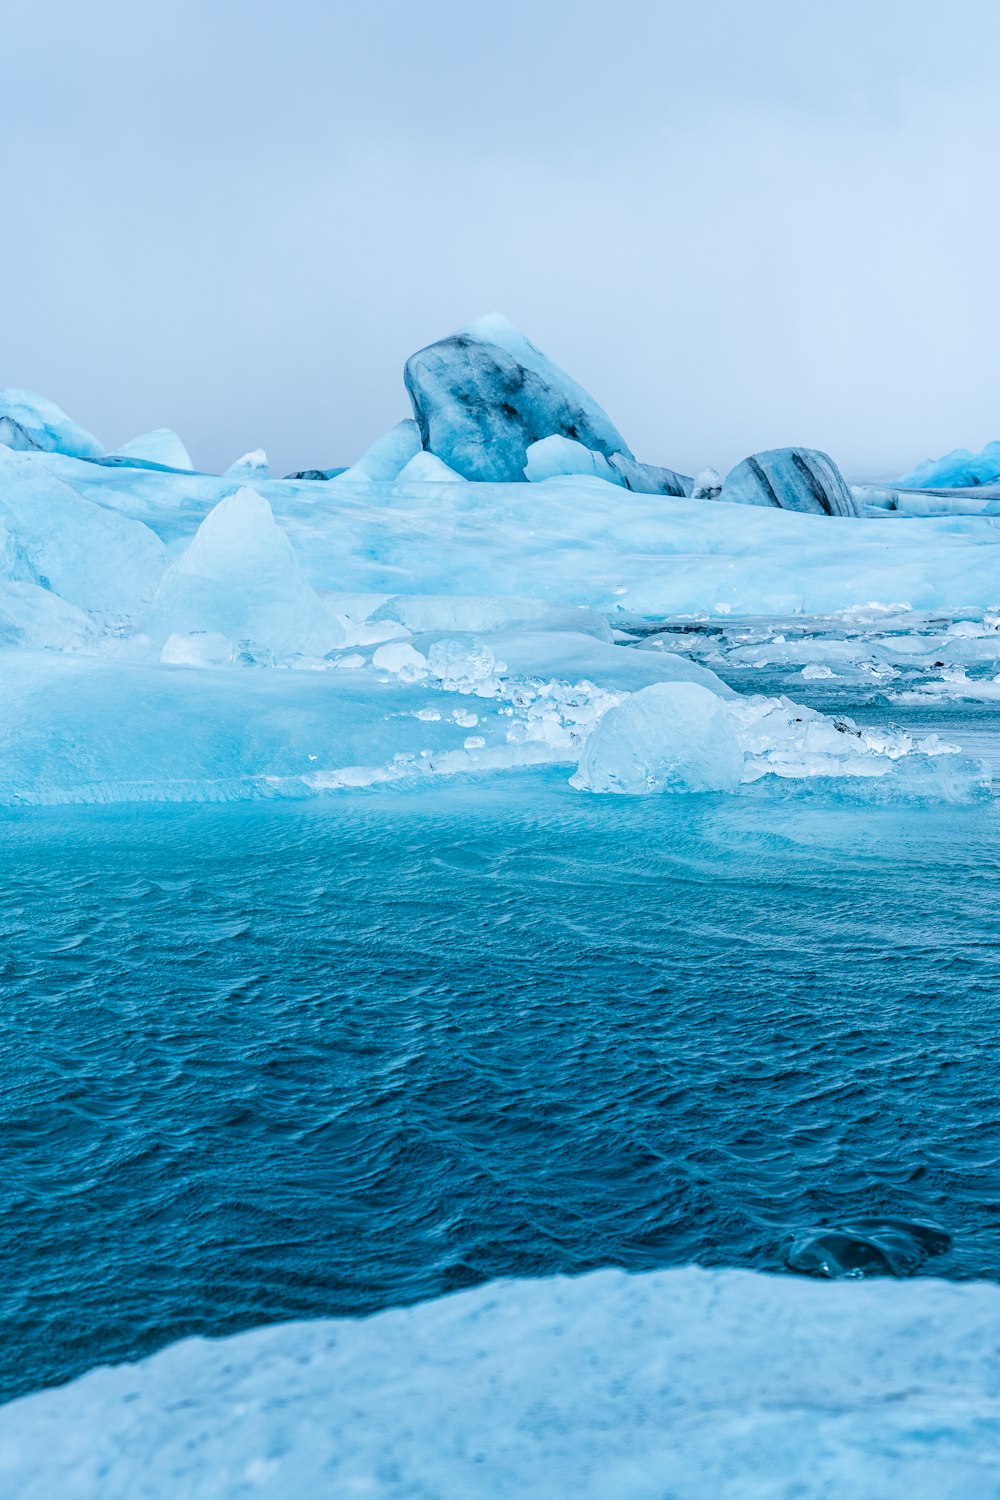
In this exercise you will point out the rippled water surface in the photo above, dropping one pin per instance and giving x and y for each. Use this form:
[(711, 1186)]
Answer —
[(278, 1061)]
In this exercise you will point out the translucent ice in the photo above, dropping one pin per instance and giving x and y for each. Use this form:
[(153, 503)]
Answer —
[(425, 468), (672, 737), (386, 457), (956, 470), (239, 578), (29, 422), (251, 466), (160, 447)]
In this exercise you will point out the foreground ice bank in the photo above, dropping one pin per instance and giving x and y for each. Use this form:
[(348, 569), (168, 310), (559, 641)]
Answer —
[(701, 1384)]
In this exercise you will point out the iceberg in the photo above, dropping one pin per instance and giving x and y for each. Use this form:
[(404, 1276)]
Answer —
[(482, 396), (792, 479), (31, 423), (162, 448), (956, 470), (701, 1383)]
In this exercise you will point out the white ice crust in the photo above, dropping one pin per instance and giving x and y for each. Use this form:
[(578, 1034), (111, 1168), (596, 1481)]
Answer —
[(706, 1385)]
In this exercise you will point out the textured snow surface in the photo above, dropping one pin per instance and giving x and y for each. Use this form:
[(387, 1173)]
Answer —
[(686, 1383)]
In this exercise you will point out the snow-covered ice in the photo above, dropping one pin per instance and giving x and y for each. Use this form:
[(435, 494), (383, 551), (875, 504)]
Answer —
[(701, 1384)]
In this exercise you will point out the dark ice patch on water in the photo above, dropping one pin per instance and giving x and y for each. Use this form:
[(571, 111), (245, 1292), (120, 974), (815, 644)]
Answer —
[(867, 1247)]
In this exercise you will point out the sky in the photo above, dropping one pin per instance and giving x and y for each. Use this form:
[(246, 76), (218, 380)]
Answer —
[(739, 225)]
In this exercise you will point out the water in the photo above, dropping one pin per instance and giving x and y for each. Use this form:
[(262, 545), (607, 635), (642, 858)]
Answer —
[(279, 1061)]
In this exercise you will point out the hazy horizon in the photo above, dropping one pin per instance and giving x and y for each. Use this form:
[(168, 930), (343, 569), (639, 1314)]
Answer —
[(737, 229)]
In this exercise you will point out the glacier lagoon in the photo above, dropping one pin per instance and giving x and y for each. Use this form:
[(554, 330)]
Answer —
[(415, 876)]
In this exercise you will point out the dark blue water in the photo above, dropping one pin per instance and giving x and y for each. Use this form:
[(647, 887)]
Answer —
[(278, 1061)]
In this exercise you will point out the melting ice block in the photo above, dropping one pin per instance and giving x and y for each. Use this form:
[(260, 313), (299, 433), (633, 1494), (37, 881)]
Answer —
[(671, 737), (554, 457), (792, 479), (161, 447), (484, 395), (31, 423), (239, 578)]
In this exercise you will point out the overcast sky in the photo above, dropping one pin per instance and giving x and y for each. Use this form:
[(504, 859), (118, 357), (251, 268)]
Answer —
[(738, 223)]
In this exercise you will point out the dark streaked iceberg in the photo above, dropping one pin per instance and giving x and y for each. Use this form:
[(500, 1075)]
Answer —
[(800, 479), (482, 396)]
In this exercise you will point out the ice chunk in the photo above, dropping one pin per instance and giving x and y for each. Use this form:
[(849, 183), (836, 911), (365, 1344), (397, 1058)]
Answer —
[(162, 447), (30, 422), (399, 658), (425, 468), (707, 485), (955, 470), (251, 466), (793, 479), (484, 395), (386, 457), (672, 737), (240, 579)]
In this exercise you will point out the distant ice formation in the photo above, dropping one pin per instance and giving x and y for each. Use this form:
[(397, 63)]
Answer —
[(955, 470), (791, 479)]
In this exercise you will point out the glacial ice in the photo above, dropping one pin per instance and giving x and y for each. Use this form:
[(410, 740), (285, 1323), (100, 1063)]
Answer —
[(556, 456), (31, 423), (955, 470), (484, 395), (252, 465), (306, 637), (425, 468), (240, 579), (792, 478), (672, 737), (387, 457), (697, 1383), (161, 447)]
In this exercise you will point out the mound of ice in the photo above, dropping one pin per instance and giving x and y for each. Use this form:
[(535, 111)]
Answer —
[(955, 470), (793, 479), (240, 579), (161, 447), (251, 466), (31, 423), (701, 1384), (425, 468), (672, 737), (484, 395), (386, 457)]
